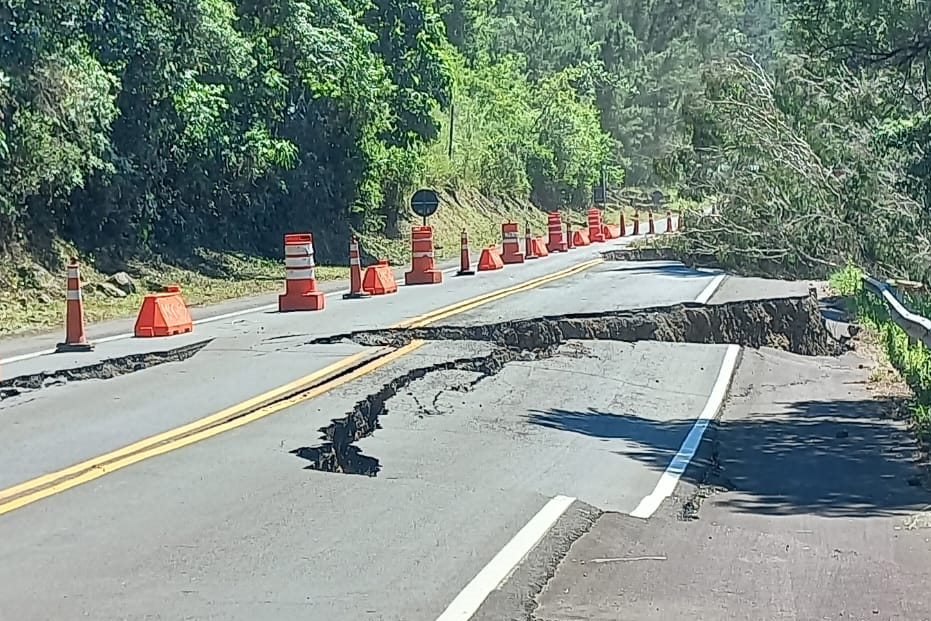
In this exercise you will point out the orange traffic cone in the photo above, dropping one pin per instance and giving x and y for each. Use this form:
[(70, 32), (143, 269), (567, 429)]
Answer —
[(528, 243), (679, 221), (651, 227), (623, 227), (569, 241), (636, 230), (355, 272), (465, 262), (75, 339), (669, 222)]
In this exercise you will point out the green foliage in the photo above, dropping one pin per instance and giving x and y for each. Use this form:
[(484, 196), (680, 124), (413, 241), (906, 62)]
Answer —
[(513, 135), (136, 125), (912, 360), (815, 146), (847, 281)]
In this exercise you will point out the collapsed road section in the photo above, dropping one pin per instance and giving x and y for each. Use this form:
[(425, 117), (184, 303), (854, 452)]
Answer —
[(793, 324)]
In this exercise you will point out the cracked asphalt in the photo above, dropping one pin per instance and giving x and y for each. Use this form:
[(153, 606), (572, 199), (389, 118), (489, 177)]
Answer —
[(440, 477), (804, 503)]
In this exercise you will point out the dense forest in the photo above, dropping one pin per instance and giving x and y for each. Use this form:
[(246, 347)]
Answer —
[(157, 125)]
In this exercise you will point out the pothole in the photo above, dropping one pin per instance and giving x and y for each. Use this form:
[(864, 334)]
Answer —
[(793, 324)]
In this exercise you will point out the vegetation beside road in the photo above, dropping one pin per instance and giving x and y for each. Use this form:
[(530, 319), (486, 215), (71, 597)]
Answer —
[(33, 297), (146, 134), (813, 146), (912, 361)]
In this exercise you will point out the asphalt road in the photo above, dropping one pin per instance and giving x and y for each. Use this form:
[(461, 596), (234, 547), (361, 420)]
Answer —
[(558, 471), (236, 527), (804, 502)]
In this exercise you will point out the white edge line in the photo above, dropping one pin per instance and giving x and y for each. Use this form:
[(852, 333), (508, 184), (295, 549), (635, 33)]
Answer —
[(710, 290), (676, 468), (500, 567)]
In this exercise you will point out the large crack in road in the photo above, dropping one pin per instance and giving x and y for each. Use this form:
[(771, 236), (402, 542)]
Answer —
[(793, 324), (105, 369)]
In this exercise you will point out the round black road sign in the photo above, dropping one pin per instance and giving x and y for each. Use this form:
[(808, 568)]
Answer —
[(425, 202), (657, 197)]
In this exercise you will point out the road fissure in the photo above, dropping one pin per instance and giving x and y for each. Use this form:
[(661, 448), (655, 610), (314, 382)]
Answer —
[(794, 324), (105, 369)]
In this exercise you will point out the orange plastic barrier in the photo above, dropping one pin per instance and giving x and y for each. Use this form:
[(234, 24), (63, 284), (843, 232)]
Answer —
[(528, 244), (163, 314), (622, 229), (651, 230), (580, 238), (490, 259), (75, 338), (379, 279), (465, 261), (355, 272), (636, 223), (608, 231), (539, 247), (510, 244), (595, 234), (556, 241), (423, 267), (300, 276)]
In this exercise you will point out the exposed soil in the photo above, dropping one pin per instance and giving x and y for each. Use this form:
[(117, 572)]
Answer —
[(793, 324)]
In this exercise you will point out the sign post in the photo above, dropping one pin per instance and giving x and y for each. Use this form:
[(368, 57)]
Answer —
[(600, 195), (657, 198)]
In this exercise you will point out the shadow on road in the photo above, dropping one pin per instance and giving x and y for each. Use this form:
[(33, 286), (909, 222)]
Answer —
[(826, 458), (665, 269)]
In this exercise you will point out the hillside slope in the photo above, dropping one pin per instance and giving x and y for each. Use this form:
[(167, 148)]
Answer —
[(32, 288)]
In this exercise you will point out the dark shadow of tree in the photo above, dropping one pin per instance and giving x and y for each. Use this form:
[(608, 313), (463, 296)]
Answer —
[(826, 458), (676, 270)]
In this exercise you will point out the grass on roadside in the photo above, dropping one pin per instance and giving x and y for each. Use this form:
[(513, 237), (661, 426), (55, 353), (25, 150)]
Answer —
[(912, 361), (34, 299)]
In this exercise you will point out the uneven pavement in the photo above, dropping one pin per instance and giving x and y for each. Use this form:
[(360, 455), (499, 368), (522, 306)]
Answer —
[(805, 503), (444, 480)]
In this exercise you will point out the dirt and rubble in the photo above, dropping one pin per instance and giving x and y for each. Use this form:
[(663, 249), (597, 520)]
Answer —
[(792, 324)]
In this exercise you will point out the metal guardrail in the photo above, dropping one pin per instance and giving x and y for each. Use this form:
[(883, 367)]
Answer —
[(917, 327)]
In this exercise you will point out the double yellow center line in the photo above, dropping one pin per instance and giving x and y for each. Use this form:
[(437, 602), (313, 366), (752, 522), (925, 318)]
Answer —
[(260, 406)]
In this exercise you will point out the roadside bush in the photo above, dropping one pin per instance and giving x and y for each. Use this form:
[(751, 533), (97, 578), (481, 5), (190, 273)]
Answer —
[(912, 361)]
